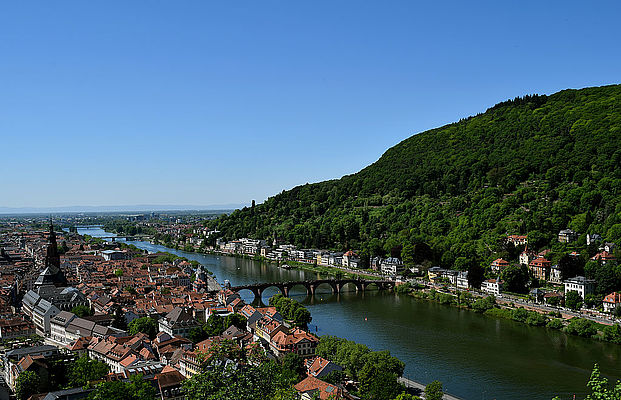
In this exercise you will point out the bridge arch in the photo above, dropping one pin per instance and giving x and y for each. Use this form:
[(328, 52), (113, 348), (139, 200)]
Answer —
[(271, 289), (371, 285), (249, 295), (298, 289), (321, 286), (349, 286)]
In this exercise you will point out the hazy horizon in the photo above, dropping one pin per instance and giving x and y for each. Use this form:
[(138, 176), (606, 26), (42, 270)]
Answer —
[(119, 208)]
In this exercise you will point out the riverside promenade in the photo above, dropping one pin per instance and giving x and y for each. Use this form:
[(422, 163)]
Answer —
[(419, 386)]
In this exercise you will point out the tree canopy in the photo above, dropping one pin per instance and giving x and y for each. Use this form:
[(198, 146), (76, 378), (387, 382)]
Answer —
[(145, 325), (84, 370), (135, 389), (535, 164)]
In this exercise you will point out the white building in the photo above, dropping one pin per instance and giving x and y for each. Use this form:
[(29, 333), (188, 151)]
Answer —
[(40, 312), (492, 286), (462, 280), (581, 285), (612, 301), (178, 322), (392, 266), (555, 274)]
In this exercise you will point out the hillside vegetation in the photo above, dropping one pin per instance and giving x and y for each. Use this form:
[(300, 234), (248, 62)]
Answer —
[(533, 165)]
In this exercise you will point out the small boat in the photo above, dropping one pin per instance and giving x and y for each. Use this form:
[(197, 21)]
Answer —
[(286, 266)]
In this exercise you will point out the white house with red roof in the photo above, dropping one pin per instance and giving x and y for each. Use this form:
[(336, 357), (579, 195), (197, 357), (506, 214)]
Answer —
[(320, 367), (603, 257), (611, 301), (499, 264), (517, 240)]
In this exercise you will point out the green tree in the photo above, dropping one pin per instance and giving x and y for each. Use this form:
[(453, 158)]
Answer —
[(335, 377), (554, 301), (434, 391), (516, 278), (146, 325), (27, 384), (555, 323), (119, 318), (378, 384), (246, 382), (197, 334), (581, 327), (136, 389), (600, 388), (237, 320), (484, 304), (285, 394), (612, 333), (293, 364), (84, 370), (214, 325), (407, 396), (573, 300), (82, 311), (408, 254), (569, 266)]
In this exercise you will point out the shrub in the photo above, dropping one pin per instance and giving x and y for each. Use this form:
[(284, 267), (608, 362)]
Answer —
[(536, 319), (555, 323), (581, 327), (499, 313)]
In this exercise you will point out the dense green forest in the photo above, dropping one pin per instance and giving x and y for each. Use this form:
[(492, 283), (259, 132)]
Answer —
[(533, 165)]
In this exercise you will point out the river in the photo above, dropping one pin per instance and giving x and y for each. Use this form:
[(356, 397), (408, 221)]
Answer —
[(475, 356)]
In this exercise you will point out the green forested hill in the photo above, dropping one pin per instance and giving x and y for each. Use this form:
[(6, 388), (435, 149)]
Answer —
[(532, 165)]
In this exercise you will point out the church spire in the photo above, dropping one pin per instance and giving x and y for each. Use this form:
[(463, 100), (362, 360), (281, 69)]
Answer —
[(52, 236), (52, 258)]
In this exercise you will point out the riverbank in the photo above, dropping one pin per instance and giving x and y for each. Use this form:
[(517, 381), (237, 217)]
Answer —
[(420, 388), (321, 269), (491, 307)]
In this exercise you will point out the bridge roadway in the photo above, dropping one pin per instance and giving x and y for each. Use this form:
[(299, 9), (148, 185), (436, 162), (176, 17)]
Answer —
[(336, 285)]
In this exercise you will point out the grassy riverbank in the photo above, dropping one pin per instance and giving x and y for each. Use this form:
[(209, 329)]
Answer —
[(488, 306)]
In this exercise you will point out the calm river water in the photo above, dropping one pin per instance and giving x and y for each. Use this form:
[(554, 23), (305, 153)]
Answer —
[(475, 356)]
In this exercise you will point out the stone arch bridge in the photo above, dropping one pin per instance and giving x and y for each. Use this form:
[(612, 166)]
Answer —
[(337, 285)]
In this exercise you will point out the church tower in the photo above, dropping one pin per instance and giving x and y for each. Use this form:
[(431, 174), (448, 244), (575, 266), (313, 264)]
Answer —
[(52, 274), (52, 258)]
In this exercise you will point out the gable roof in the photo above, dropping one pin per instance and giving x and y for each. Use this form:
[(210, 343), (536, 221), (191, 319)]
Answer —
[(312, 385)]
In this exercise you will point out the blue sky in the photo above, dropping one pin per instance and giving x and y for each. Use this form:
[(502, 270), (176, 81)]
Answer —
[(195, 102)]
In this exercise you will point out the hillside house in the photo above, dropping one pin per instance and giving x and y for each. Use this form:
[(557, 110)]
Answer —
[(611, 301), (492, 286), (499, 264), (540, 267), (581, 285), (567, 236)]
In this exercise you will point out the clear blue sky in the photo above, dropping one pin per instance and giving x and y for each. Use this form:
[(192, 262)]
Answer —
[(196, 102)]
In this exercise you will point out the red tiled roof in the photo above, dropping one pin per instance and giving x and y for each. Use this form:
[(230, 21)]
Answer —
[(613, 298), (312, 385)]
